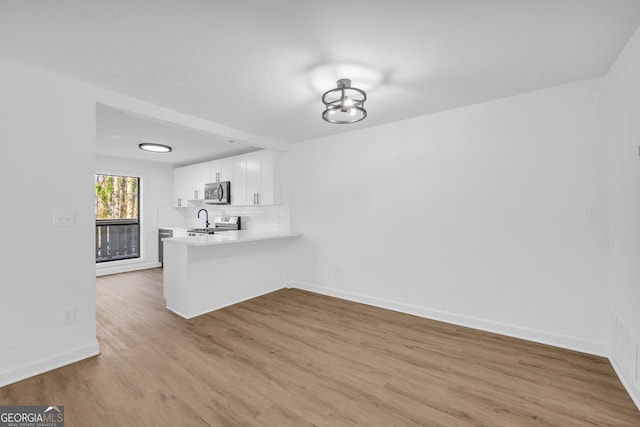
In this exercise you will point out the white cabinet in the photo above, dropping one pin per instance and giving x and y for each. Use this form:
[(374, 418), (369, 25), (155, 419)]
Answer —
[(203, 172), (181, 186), (239, 182), (271, 170), (188, 183), (222, 170), (257, 178), (253, 178)]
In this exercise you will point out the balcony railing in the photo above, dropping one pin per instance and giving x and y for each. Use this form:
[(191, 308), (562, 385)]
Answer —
[(116, 241)]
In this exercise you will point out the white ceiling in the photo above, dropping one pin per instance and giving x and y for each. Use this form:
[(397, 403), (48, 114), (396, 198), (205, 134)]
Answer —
[(118, 134), (262, 66)]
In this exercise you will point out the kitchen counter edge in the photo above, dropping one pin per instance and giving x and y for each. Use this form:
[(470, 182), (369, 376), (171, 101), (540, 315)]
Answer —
[(229, 237)]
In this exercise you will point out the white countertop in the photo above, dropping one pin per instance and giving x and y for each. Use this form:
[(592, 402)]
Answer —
[(229, 237)]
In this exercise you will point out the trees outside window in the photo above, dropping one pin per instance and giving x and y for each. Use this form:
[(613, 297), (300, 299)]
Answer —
[(117, 217)]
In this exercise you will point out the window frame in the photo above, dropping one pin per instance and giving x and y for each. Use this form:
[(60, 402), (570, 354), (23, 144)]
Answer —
[(126, 221)]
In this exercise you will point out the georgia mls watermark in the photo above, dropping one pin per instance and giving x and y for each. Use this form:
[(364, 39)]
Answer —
[(31, 416)]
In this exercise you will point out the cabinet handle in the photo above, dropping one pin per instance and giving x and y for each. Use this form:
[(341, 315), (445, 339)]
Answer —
[(258, 198)]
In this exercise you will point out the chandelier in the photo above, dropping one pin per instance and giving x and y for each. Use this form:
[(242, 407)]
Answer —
[(344, 104)]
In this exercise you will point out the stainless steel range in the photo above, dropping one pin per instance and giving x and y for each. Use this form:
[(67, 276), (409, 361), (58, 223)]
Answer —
[(227, 223), (220, 224)]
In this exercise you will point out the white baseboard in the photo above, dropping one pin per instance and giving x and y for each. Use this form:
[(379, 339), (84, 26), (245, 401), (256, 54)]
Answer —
[(625, 355), (557, 340), (115, 268), (628, 383), (56, 361)]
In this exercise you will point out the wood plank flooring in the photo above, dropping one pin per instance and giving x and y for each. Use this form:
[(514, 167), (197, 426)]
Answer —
[(293, 358)]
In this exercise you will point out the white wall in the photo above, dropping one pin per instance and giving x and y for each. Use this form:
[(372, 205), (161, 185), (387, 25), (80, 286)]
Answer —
[(505, 204), (47, 132), (156, 193), (47, 129), (492, 216), (623, 140)]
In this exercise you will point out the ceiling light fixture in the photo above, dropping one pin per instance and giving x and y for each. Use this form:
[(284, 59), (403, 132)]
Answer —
[(155, 148), (344, 104)]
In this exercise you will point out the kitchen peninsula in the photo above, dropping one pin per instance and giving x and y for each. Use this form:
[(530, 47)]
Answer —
[(208, 272)]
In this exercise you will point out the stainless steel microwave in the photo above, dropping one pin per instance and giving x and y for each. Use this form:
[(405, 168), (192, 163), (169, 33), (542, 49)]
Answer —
[(218, 193)]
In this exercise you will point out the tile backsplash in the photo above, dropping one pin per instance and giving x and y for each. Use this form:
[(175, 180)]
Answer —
[(257, 218), (172, 217)]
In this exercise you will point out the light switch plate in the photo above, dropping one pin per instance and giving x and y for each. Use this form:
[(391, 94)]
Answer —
[(63, 218), (68, 315)]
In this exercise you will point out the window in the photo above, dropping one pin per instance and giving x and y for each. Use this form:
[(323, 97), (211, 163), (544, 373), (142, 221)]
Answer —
[(117, 217)]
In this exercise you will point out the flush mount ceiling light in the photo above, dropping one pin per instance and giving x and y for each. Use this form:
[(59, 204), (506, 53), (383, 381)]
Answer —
[(344, 104), (155, 148)]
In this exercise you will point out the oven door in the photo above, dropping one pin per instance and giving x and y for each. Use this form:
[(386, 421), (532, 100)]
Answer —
[(217, 193)]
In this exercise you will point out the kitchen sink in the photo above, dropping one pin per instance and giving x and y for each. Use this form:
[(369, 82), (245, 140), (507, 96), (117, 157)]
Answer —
[(201, 230)]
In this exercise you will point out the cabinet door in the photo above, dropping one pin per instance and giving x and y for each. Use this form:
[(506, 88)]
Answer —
[(267, 169), (225, 169), (239, 181), (193, 178), (204, 171), (253, 177), (215, 171), (222, 169), (181, 187)]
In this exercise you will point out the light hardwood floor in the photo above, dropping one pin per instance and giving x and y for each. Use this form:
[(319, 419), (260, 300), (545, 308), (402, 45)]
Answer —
[(293, 358)]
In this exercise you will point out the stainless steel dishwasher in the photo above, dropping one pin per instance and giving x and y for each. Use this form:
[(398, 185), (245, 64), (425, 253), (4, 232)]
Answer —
[(163, 233)]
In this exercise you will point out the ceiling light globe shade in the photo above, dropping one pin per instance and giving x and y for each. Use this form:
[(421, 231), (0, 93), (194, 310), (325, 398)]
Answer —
[(339, 115), (154, 148)]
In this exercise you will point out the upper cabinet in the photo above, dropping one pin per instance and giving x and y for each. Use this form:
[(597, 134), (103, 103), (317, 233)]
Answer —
[(204, 172), (181, 187), (222, 170), (189, 181), (256, 179)]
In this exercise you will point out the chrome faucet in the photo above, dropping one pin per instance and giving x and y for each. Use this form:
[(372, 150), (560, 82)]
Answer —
[(206, 222)]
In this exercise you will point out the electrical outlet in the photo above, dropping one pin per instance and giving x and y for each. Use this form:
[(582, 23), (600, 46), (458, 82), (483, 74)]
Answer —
[(64, 219), (68, 315)]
